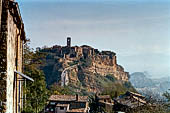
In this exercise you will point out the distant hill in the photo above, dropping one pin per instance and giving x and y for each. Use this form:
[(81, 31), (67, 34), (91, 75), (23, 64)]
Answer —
[(149, 86), (140, 80), (83, 69)]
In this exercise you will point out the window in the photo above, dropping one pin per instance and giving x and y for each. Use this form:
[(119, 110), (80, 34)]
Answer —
[(52, 103), (61, 108), (78, 105)]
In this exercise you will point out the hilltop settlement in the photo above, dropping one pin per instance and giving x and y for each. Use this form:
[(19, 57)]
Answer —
[(61, 79), (81, 67)]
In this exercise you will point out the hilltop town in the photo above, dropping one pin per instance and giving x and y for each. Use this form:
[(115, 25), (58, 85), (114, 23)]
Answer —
[(62, 79), (74, 65)]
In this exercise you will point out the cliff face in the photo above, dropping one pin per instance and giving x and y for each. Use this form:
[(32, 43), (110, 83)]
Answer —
[(83, 68), (99, 65), (104, 65)]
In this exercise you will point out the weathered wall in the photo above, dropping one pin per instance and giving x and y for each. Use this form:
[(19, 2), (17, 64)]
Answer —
[(11, 61), (0, 13), (3, 53), (11, 49), (14, 62)]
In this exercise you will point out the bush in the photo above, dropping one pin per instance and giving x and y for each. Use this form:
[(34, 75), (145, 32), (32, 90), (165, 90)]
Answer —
[(111, 78)]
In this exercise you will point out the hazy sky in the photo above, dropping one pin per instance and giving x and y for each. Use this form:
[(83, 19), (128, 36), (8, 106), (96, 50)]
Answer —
[(137, 30)]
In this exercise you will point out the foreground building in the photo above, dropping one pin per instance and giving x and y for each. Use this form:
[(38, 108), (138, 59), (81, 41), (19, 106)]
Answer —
[(67, 104), (129, 101), (12, 39), (105, 101)]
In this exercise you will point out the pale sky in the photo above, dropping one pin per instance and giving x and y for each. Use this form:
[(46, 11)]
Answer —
[(137, 30)]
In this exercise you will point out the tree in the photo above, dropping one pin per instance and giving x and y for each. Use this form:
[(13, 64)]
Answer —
[(36, 92), (57, 89), (167, 96)]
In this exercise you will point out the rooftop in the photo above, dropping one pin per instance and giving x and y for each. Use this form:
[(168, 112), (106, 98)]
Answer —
[(15, 12), (131, 100), (103, 97), (68, 98)]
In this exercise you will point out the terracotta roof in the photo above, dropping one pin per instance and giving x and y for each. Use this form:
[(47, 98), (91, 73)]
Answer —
[(136, 94), (62, 97), (68, 98), (139, 99), (130, 103), (133, 100)]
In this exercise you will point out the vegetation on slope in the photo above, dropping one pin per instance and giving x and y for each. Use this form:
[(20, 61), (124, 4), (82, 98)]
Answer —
[(36, 92)]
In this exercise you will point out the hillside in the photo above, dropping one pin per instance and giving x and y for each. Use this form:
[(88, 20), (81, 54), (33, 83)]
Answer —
[(83, 69)]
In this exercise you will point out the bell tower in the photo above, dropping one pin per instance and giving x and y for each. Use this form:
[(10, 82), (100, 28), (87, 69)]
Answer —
[(68, 41)]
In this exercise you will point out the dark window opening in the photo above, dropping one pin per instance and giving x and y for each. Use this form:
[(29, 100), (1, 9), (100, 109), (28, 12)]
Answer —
[(61, 108)]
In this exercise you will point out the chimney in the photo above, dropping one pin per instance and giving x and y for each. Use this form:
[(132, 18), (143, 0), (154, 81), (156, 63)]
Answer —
[(77, 97)]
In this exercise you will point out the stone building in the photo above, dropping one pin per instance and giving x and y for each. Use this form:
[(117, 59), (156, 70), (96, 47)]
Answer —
[(67, 104), (12, 39), (130, 102), (106, 102)]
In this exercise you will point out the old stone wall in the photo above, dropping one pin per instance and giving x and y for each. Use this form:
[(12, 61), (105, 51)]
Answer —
[(0, 13), (14, 62), (3, 53), (11, 62), (11, 50)]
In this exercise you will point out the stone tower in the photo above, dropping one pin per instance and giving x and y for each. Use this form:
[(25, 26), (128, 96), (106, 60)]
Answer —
[(68, 41)]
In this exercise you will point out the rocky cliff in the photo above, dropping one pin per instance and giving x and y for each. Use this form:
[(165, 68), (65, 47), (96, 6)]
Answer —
[(82, 68)]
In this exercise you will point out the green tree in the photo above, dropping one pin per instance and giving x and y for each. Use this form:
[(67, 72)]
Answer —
[(36, 92), (167, 96), (117, 88), (57, 89)]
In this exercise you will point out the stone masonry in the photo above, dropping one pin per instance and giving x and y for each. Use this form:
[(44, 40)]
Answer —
[(12, 38)]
